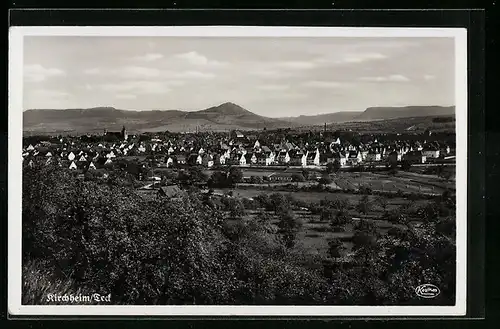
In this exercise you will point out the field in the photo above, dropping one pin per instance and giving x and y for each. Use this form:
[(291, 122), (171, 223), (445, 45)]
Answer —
[(402, 181), (315, 234), (406, 182), (421, 180)]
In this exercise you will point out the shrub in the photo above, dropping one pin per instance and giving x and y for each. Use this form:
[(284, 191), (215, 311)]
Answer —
[(39, 283), (335, 248), (256, 180), (298, 178), (364, 205)]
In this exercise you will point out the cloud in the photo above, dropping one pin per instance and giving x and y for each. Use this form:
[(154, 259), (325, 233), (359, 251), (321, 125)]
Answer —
[(198, 59), (133, 72), (126, 96), (362, 57), (390, 78), (142, 72), (429, 77), (194, 75), (38, 73), (324, 84), (350, 58), (273, 87), (271, 74), (50, 93), (137, 87), (93, 71), (149, 57), (127, 72), (296, 65)]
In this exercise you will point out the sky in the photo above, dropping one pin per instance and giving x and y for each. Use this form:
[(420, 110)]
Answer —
[(274, 77)]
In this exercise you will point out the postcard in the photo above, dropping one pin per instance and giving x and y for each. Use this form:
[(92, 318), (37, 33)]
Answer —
[(250, 171)]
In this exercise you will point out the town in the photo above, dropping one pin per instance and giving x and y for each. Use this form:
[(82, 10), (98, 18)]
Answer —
[(265, 156)]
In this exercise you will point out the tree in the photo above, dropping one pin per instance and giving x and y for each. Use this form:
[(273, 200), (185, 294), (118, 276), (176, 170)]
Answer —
[(335, 248), (328, 214), (447, 227), (364, 205), (439, 170), (382, 202), (298, 178), (235, 207), (365, 190), (365, 240), (264, 201), (356, 140), (184, 178), (289, 226), (256, 180), (196, 174), (429, 212), (396, 217), (264, 217), (144, 138), (365, 226), (449, 200), (329, 168), (279, 203), (218, 179), (235, 176), (341, 218), (333, 167), (447, 176), (336, 165), (91, 175), (341, 204), (405, 165), (325, 180)]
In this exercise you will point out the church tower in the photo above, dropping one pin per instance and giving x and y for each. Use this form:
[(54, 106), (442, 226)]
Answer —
[(124, 133)]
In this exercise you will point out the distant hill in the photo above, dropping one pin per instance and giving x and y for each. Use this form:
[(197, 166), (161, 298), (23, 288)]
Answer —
[(218, 118), (320, 119), (397, 125), (372, 113), (387, 113)]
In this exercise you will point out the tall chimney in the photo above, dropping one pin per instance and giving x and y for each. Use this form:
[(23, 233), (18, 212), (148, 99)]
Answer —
[(325, 127)]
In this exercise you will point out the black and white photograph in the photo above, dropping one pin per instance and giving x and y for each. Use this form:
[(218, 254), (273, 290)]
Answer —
[(242, 171)]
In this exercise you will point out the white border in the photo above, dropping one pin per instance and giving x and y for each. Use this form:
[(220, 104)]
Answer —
[(15, 173)]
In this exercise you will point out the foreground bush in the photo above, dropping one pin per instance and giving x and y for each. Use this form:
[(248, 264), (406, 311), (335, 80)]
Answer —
[(39, 282), (111, 241), (101, 237)]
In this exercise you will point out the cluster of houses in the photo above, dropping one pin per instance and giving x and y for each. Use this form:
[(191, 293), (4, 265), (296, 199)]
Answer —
[(236, 151)]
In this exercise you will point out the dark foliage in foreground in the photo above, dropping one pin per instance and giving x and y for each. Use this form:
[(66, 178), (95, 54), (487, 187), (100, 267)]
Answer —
[(92, 236)]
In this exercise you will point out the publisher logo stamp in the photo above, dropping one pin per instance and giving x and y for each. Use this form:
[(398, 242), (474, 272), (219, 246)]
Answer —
[(427, 291)]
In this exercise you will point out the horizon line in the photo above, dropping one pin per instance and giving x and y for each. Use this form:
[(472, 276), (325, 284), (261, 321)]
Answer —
[(198, 110)]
